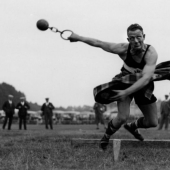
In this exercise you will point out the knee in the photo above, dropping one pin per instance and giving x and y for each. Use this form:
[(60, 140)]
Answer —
[(152, 123), (121, 119)]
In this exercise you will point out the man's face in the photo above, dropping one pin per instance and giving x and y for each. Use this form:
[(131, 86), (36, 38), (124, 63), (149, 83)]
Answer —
[(136, 39), (10, 98)]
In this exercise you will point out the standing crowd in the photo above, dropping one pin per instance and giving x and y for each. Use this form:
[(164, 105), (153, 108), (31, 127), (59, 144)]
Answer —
[(9, 109), (23, 107), (47, 113)]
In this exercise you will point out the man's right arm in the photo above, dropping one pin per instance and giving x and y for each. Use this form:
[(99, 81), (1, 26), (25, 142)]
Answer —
[(17, 106), (42, 108), (161, 107), (106, 46), (4, 107)]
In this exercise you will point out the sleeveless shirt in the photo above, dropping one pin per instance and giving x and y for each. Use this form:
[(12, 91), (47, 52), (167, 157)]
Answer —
[(129, 61)]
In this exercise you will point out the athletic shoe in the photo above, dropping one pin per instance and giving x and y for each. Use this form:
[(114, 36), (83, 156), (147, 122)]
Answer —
[(134, 132), (104, 142)]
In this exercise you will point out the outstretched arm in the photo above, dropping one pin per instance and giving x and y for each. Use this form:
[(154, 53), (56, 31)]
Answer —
[(109, 47)]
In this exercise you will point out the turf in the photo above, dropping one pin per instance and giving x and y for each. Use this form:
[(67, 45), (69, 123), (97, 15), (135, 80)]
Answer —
[(41, 149)]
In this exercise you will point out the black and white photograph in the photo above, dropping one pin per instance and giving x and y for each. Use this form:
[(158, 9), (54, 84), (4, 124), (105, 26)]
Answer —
[(84, 85)]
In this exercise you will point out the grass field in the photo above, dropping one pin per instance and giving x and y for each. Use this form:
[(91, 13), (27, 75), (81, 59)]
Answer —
[(40, 149)]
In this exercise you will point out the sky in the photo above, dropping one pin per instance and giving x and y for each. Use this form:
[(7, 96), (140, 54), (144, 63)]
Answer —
[(41, 64)]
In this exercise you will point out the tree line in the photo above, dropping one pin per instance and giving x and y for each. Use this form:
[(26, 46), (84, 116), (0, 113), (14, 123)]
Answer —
[(6, 89)]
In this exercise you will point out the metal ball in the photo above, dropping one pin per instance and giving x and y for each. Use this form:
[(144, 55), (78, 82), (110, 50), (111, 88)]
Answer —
[(42, 25)]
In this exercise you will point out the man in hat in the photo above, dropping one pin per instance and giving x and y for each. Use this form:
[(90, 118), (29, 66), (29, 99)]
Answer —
[(9, 109), (22, 107), (47, 112), (137, 57), (165, 112)]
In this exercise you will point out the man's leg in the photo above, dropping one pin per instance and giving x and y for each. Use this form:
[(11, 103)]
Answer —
[(46, 121), (51, 122), (115, 124), (149, 120), (20, 123), (161, 122), (103, 121), (25, 122), (97, 119), (10, 122), (166, 122), (5, 121)]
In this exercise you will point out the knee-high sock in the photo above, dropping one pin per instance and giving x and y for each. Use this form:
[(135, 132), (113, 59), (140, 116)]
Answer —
[(139, 123), (111, 129)]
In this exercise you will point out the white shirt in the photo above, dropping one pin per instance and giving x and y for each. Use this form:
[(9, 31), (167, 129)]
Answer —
[(10, 101), (47, 103), (22, 103)]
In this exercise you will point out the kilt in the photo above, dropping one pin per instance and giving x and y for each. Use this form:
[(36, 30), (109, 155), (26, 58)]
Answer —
[(122, 81)]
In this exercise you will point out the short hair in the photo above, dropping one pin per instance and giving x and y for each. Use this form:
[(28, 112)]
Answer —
[(134, 27)]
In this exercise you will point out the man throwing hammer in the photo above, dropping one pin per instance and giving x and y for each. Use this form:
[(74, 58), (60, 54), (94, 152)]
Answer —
[(137, 57)]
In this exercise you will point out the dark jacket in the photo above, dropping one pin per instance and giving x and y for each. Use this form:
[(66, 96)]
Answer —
[(165, 107), (47, 109), (8, 108), (22, 109)]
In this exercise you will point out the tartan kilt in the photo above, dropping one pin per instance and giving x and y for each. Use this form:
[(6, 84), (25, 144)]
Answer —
[(125, 79), (103, 92)]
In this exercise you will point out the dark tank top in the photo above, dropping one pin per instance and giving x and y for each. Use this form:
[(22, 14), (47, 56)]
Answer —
[(129, 61)]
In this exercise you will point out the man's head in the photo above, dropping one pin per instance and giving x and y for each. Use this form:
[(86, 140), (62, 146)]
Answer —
[(136, 36), (10, 97), (22, 99), (47, 99), (166, 97)]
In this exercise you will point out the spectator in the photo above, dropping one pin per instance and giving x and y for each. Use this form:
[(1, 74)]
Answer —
[(165, 112), (22, 106), (47, 112), (9, 109)]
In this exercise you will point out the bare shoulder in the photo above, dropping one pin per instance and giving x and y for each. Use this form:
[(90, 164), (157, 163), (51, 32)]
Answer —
[(151, 55), (121, 47), (116, 48), (152, 50)]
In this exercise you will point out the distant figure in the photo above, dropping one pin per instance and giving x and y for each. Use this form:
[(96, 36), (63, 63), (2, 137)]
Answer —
[(22, 106), (47, 109), (99, 109), (165, 112), (9, 109)]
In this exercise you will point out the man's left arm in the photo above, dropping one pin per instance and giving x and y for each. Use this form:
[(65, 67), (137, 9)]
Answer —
[(13, 105), (51, 106), (28, 106), (13, 108), (147, 72), (168, 102)]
